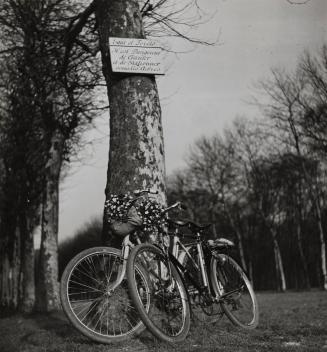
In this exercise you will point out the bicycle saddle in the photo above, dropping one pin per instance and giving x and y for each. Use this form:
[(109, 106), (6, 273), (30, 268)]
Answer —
[(221, 242), (198, 227), (192, 225)]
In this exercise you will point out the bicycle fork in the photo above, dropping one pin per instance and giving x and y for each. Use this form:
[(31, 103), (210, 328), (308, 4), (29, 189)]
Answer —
[(126, 248)]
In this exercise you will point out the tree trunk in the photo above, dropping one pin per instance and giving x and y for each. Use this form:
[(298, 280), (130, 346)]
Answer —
[(10, 278), (28, 266), (315, 199), (48, 286), (322, 252), (279, 263), (10, 249), (241, 249), (136, 152), (250, 272), (213, 220), (302, 256), (239, 239)]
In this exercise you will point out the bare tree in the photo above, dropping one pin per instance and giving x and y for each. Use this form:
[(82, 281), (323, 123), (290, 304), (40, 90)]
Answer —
[(181, 187), (169, 18), (254, 146), (313, 120), (286, 94), (214, 164)]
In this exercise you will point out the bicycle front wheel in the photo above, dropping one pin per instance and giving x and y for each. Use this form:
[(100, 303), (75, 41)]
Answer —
[(168, 317), (234, 291), (97, 311)]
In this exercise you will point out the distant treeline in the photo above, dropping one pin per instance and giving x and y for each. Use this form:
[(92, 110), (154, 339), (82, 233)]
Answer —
[(263, 181)]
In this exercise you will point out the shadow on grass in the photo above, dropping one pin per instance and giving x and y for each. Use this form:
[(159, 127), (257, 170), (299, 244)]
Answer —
[(38, 332), (57, 324)]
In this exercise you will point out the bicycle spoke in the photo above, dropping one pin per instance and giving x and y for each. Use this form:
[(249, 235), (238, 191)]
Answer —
[(168, 314), (88, 305), (93, 289), (89, 276), (238, 299)]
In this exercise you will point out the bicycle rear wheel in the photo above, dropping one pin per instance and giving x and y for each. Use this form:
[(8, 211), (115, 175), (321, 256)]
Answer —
[(235, 292), (102, 314), (168, 317)]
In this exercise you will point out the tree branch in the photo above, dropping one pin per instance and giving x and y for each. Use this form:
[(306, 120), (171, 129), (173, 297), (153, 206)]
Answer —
[(74, 30), (292, 2)]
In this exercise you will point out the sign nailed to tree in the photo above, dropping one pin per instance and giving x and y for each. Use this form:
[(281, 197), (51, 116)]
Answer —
[(135, 56)]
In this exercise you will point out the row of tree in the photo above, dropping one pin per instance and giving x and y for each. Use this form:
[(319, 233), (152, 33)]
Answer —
[(48, 82), (264, 181)]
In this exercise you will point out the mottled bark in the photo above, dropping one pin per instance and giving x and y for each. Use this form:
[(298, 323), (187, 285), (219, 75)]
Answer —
[(136, 156), (136, 152), (48, 285)]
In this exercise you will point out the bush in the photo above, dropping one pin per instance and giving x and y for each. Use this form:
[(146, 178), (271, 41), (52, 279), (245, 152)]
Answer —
[(89, 235)]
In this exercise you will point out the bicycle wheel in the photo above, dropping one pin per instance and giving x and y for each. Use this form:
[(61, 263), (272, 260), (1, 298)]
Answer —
[(168, 317), (235, 291), (96, 311)]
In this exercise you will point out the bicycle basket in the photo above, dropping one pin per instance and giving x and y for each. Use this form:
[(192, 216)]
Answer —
[(122, 216), (125, 215)]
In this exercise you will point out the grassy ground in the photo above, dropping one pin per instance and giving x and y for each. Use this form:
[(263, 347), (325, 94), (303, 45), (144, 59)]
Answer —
[(294, 321)]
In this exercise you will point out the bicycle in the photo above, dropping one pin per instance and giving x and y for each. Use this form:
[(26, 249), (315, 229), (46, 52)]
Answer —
[(215, 278), (94, 294)]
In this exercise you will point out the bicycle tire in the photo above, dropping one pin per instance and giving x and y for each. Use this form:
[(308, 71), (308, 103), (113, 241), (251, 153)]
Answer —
[(88, 307), (167, 294), (235, 291)]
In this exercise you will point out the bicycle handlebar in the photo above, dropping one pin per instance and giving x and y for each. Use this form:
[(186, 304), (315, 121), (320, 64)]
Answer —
[(178, 205), (139, 192)]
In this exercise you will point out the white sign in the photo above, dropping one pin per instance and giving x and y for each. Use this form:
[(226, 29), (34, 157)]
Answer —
[(135, 56)]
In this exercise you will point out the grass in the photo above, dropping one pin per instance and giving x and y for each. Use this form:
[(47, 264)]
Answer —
[(293, 321)]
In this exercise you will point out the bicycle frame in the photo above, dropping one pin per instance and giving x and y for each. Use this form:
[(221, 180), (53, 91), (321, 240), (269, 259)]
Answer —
[(177, 255), (127, 245)]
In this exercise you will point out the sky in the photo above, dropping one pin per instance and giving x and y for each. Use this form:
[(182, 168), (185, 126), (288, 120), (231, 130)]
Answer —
[(204, 89)]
